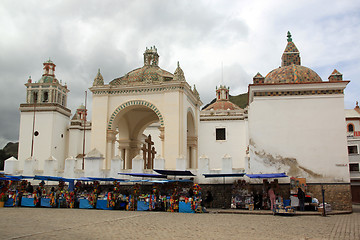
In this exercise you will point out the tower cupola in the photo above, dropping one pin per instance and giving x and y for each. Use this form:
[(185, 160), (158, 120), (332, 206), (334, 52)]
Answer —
[(222, 93), (151, 57)]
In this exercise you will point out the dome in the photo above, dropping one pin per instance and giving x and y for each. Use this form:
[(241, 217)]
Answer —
[(292, 74), (145, 74), (149, 73), (222, 105), (47, 79)]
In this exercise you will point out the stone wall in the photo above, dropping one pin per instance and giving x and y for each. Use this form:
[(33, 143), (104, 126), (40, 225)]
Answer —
[(338, 195)]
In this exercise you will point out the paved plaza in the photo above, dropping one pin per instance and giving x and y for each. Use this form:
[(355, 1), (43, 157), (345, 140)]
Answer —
[(44, 223)]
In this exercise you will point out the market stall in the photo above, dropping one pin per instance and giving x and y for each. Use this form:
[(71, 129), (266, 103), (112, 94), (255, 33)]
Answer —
[(224, 176), (271, 197)]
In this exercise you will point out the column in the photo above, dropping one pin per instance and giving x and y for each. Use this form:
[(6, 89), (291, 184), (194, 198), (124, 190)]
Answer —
[(162, 138), (111, 137)]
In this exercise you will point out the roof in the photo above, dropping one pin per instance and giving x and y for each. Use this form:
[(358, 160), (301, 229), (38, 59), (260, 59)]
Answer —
[(352, 113), (174, 172), (47, 79), (150, 72), (212, 175), (144, 175), (267, 175), (292, 74), (222, 105), (145, 74)]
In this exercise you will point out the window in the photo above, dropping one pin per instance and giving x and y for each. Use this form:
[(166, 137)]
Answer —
[(35, 95), (220, 134), (46, 97), (350, 128), (354, 167), (353, 149)]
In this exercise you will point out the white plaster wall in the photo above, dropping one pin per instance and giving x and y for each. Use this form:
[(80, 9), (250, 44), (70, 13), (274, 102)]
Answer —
[(170, 105), (49, 142), (309, 129), (76, 142), (99, 123), (59, 139), (235, 144)]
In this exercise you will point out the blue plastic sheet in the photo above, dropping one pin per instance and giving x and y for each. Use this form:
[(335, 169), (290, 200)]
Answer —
[(84, 203), (268, 175), (27, 202), (142, 206), (185, 207), (9, 203), (45, 202), (102, 204)]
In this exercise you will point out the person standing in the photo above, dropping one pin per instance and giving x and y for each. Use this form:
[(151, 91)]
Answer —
[(272, 197), (301, 197)]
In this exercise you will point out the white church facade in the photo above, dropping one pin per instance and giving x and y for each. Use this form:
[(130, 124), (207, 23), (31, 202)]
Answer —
[(294, 123)]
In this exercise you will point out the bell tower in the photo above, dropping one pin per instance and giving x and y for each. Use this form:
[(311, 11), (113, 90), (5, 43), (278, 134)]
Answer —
[(44, 119)]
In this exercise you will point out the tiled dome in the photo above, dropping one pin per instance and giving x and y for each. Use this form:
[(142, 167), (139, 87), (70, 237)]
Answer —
[(222, 105), (292, 74), (149, 73), (145, 74)]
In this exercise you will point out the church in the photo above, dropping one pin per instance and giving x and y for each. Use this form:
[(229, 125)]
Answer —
[(151, 118)]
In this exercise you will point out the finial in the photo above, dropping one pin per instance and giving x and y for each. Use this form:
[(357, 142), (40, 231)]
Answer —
[(29, 77), (357, 104), (178, 63), (289, 36), (99, 70)]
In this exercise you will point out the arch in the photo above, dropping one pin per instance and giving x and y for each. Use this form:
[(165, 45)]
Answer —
[(191, 121), (350, 127), (132, 103), (191, 139)]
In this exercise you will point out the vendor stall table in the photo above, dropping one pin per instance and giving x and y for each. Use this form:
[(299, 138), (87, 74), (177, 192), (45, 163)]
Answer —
[(102, 204), (185, 207), (84, 203), (45, 202), (142, 206), (9, 203), (27, 202)]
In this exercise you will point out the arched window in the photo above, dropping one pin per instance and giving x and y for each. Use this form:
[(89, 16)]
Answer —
[(350, 127), (46, 97), (35, 96)]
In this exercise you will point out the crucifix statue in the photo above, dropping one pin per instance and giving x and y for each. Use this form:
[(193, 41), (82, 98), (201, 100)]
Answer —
[(148, 153)]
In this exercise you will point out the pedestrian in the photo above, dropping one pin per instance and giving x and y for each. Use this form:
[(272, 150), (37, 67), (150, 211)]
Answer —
[(29, 188), (272, 197), (208, 199), (301, 197)]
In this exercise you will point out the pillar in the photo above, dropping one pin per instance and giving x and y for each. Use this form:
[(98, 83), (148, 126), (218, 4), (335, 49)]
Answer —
[(111, 137)]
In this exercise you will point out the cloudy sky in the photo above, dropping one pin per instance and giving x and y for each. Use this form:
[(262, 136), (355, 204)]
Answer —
[(244, 36)]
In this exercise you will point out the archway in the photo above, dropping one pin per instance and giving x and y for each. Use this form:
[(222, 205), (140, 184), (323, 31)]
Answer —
[(191, 140), (127, 125)]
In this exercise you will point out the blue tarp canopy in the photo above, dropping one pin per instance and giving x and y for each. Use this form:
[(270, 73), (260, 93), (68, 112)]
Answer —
[(84, 179), (52, 178), (148, 175), (214, 175), (174, 172), (11, 178), (168, 181), (144, 180), (268, 175), (105, 179), (17, 178)]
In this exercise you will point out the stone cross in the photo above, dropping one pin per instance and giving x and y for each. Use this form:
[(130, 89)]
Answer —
[(148, 153)]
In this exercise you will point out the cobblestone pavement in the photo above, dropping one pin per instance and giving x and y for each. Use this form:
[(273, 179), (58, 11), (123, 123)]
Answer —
[(42, 223)]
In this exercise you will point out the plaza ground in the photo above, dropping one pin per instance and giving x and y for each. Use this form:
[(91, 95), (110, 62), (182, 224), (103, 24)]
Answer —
[(44, 223)]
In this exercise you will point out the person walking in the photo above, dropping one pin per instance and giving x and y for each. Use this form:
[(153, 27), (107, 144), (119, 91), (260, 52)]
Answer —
[(272, 197), (301, 197)]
